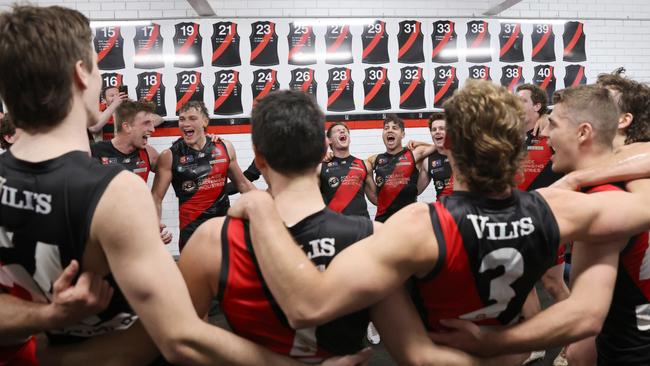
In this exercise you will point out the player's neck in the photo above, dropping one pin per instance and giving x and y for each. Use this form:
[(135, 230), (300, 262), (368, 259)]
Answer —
[(69, 135), (593, 157), (530, 124), (395, 150), (296, 197), (619, 140), (199, 144), (122, 144), (341, 153), (442, 151)]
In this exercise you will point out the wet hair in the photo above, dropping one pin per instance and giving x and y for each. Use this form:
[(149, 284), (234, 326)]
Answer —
[(634, 98), (435, 116), (7, 128), (288, 130), (537, 96), (593, 104), (39, 50), (196, 105), (330, 128), (484, 129), (127, 111), (395, 119)]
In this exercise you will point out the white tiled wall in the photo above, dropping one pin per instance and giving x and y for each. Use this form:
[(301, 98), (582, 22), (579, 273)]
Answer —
[(616, 36)]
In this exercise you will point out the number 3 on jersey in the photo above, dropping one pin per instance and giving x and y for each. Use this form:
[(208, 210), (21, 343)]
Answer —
[(500, 290)]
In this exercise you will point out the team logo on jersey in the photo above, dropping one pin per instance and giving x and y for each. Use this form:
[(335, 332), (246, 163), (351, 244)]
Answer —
[(436, 163), (403, 158), (216, 152), (382, 161), (333, 182), (332, 163), (380, 181), (109, 161), (126, 160), (141, 162), (187, 159), (188, 186), (440, 184)]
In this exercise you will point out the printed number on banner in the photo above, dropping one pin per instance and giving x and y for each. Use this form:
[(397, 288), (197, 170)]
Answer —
[(302, 76), (224, 30), (339, 75), (478, 27), (375, 28), (411, 74), (188, 79), (263, 29), (479, 73), (375, 74), (227, 78), (187, 30), (512, 72), (444, 28)]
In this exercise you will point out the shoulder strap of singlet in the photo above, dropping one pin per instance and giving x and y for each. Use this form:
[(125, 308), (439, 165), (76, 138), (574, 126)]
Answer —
[(225, 258)]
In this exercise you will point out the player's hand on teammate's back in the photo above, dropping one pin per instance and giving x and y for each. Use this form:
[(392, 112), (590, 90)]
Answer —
[(329, 155), (73, 302), (256, 199), (360, 358), (214, 138), (165, 235), (463, 335)]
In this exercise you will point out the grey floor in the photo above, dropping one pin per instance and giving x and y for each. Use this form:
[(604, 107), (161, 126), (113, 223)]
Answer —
[(382, 358)]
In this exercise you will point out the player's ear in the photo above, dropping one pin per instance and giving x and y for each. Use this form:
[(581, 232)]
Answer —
[(260, 161)]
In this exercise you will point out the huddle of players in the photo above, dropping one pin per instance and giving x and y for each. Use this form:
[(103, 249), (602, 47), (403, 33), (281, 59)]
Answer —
[(475, 254)]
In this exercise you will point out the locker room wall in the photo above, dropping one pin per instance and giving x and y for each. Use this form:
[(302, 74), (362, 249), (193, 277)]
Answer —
[(616, 36)]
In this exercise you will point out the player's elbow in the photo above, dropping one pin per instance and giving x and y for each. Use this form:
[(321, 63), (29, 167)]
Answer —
[(590, 321), (304, 317), (179, 350)]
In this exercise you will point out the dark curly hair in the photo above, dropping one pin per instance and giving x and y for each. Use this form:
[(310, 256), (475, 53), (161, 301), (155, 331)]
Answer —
[(634, 98), (484, 128), (7, 128)]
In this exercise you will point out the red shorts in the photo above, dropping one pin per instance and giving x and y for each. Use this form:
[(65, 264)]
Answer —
[(21, 355)]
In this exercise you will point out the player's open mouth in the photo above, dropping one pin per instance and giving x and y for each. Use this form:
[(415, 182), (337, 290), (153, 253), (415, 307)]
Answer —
[(188, 132), (390, 138), (439, 139), (343, 138)]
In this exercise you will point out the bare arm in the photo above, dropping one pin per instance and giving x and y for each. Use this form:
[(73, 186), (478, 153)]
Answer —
[(592, 217), (580, 316), (369, 187), (153, 157), (162, 179), (633, 162), (422, 151), (405, 338), (423, 177), (359, 276), (70, 303), (200, 265), (107, 113), (157, 120), (234, 171), (147, 275)]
